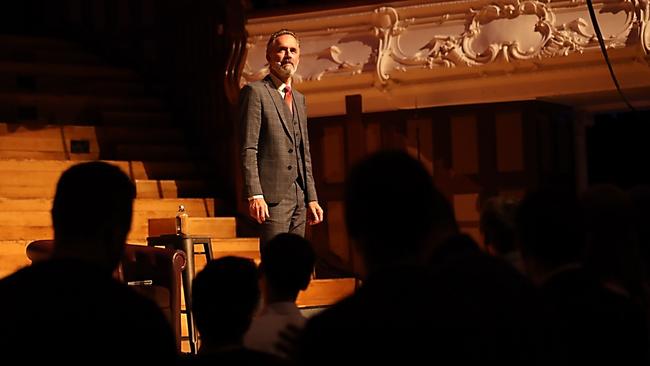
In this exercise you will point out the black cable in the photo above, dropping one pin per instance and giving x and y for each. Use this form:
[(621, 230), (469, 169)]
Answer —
[(601, 41)]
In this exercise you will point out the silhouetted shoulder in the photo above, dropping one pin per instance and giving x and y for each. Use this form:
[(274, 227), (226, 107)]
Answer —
[(236, 357)]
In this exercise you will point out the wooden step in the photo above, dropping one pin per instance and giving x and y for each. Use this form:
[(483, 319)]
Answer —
[(26, 140), (38, 173), (134, 169), (140, 218), (145, 188), (45, 155), (240, 247), (214, 227), (12, 133), (12, 251), (12, 256), (35, 225), (89, 142), (200, 207), (38, 225)]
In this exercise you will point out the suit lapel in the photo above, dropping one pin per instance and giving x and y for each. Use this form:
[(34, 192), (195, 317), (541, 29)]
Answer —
[(280, 106), (298, 102)]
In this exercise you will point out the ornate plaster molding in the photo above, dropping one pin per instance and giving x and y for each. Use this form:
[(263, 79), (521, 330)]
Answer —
[(407, 42)]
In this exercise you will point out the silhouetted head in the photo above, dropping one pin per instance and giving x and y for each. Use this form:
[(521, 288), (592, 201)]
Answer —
[(92, 212), (640, 196), (550, 229), (611, 245), (225, 295), (393, 212), (287, 264)]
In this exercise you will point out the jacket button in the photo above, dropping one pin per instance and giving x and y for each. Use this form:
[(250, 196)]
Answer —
[(290, 151), (289, 167)]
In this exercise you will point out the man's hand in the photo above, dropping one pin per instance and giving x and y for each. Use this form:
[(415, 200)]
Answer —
[(314, 213), (258, 209)]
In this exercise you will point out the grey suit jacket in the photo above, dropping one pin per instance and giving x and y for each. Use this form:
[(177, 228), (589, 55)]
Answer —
[(267, 145)]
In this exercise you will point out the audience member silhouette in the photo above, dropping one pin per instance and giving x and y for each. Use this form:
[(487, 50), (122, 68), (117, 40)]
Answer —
[(611, 240), (640, 197), (497, 225), (286, 269), (70, 309), (584, 321), (428, 292), (225, 295)]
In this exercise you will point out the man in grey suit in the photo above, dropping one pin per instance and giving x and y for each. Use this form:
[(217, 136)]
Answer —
[(278, 180)]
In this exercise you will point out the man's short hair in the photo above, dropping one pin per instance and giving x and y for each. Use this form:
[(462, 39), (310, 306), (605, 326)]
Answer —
[(279, 33)]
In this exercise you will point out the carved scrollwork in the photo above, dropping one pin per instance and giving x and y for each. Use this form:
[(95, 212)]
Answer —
[(642, 13), (333, 54), (386, 27), (556, 40), (506, 31)]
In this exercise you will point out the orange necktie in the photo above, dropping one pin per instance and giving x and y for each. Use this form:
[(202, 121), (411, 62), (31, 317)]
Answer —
[(288, 97)]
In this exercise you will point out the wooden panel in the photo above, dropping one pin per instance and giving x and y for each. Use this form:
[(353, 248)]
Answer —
[(419, 135), (334, 153), (373, 137), (464, 144), (509, 142), (162, 226), (338, 236), (354, 130)]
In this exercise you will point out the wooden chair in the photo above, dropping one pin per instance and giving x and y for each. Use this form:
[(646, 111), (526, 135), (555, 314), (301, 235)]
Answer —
[(151, 271)]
